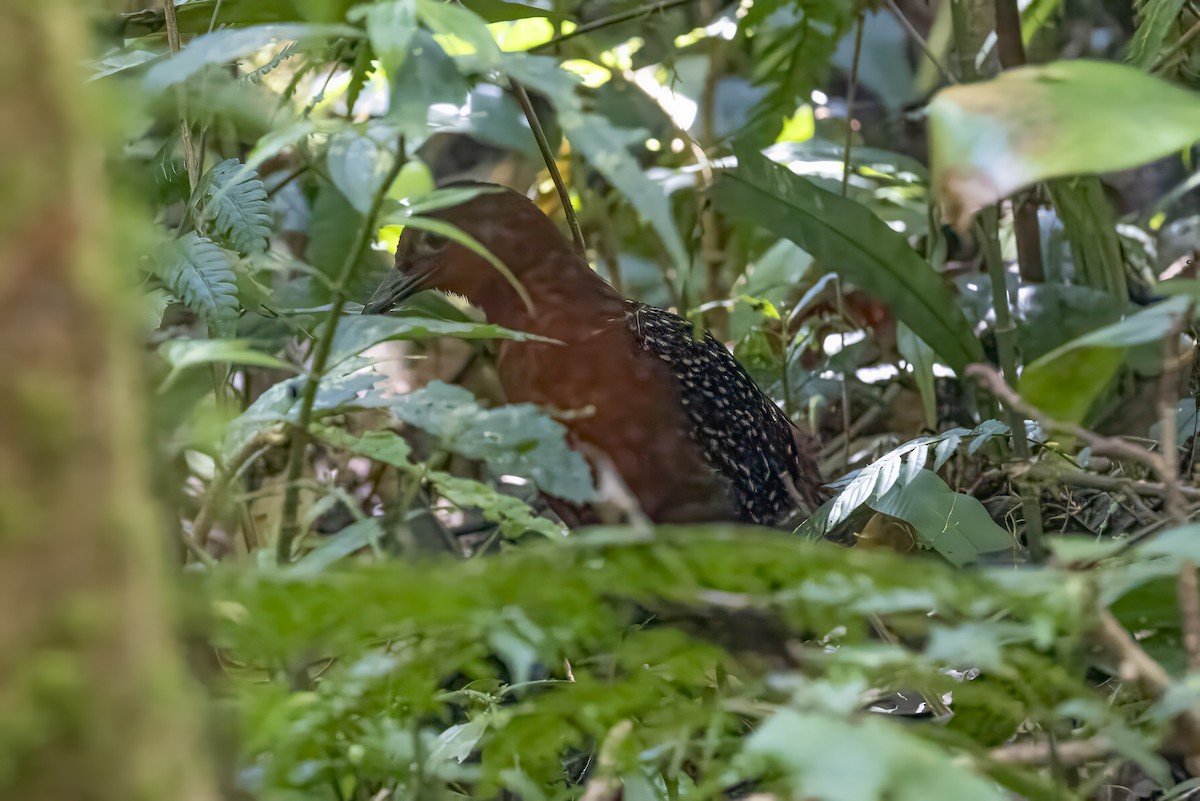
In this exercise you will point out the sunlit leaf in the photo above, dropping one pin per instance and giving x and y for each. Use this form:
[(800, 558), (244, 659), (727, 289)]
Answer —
[(991, 138)]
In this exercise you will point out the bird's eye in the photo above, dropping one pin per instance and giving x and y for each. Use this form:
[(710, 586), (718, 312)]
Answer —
[(429, 243)]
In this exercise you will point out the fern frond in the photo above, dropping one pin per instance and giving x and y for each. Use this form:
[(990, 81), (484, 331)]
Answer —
[(199, 272), (235, 200)]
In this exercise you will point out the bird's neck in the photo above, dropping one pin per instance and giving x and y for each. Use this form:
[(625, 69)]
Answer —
[(563, 291)]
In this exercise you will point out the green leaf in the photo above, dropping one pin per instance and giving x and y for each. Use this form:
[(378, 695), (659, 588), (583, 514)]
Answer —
[(920, 358), (235, 200), (606, 148), (517, 438), (1065, 382), (428, 78), (514, 516), (184, 353), (200, 273), (231, 44), (457, 742), (153, 306), (357, 333), (351, 539), (1158, 19), (358, 166), (845, 236), (818, 755), (992, 138), (474, 40), (952, 523), (390, 26)]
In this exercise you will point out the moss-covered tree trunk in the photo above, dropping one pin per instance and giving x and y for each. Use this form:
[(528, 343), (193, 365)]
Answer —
[(94, 700)]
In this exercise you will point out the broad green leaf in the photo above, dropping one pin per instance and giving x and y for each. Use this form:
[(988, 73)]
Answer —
[(184, 353), (391, 26), (457, 742), (462, 33), (231, 44), (1065, 382), (357, 333), (200, 273), (992, 138), (821, 756), (235, 201), (517, 438), (428, 78), (846, 237), (1091, 229), (358, 166), (952, 523), (153, 306)]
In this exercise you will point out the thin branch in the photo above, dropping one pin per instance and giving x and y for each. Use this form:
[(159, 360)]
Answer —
[(547, 152), (1128, 485), (604, 22), (851, 90), (1109, 446), (288, 527), (1038, 752), (920, 40), (185, 131), (1175, 49), (251, 450)]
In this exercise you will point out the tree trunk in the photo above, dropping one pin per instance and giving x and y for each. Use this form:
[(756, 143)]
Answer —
[(95, 702)]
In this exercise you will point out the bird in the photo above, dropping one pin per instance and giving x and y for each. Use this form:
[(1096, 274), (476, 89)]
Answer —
[(665, 411)]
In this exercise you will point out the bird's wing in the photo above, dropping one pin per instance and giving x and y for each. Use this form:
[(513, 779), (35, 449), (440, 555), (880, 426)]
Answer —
[(742, 433)]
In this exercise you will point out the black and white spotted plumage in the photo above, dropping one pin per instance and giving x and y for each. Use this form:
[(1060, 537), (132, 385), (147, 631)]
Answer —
[(743, 435)]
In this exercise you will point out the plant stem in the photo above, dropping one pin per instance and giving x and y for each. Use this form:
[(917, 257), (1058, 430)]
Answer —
[(551, 164), (613, 19), (300, 437), (1006, 346)]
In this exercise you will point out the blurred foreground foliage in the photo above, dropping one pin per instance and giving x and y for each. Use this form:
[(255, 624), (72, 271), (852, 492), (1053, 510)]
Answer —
[(394, 613)]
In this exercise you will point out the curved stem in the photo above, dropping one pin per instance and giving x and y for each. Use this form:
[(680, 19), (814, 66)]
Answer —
[(288, 527)]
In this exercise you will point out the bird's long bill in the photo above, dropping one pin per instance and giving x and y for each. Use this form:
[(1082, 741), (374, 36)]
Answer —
[(396, 288)]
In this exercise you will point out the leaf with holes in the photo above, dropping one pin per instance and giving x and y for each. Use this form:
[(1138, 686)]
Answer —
[(234, 199), (200, 272), (517, 438)]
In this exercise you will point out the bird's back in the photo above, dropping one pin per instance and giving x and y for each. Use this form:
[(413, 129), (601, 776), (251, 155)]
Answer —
[(676, 416)]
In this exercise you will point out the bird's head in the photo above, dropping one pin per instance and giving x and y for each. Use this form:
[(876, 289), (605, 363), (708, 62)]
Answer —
[(505, 223)]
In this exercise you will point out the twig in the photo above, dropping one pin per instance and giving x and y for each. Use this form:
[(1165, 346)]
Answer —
[(1177, 48), (1129, 485), (1038, 752), (288, 527), (604, 22), (203, 523), (920, 40), (185, 131), (551, 164), (1109, 446), (851, 90)]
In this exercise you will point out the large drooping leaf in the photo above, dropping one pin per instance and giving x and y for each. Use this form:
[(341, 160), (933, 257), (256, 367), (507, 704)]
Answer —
[(200, 273), (516, 438), (846, 237), (991, 138), (1065, 382), (357, 333), (235, 200), (231, 44), (463, 33)]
